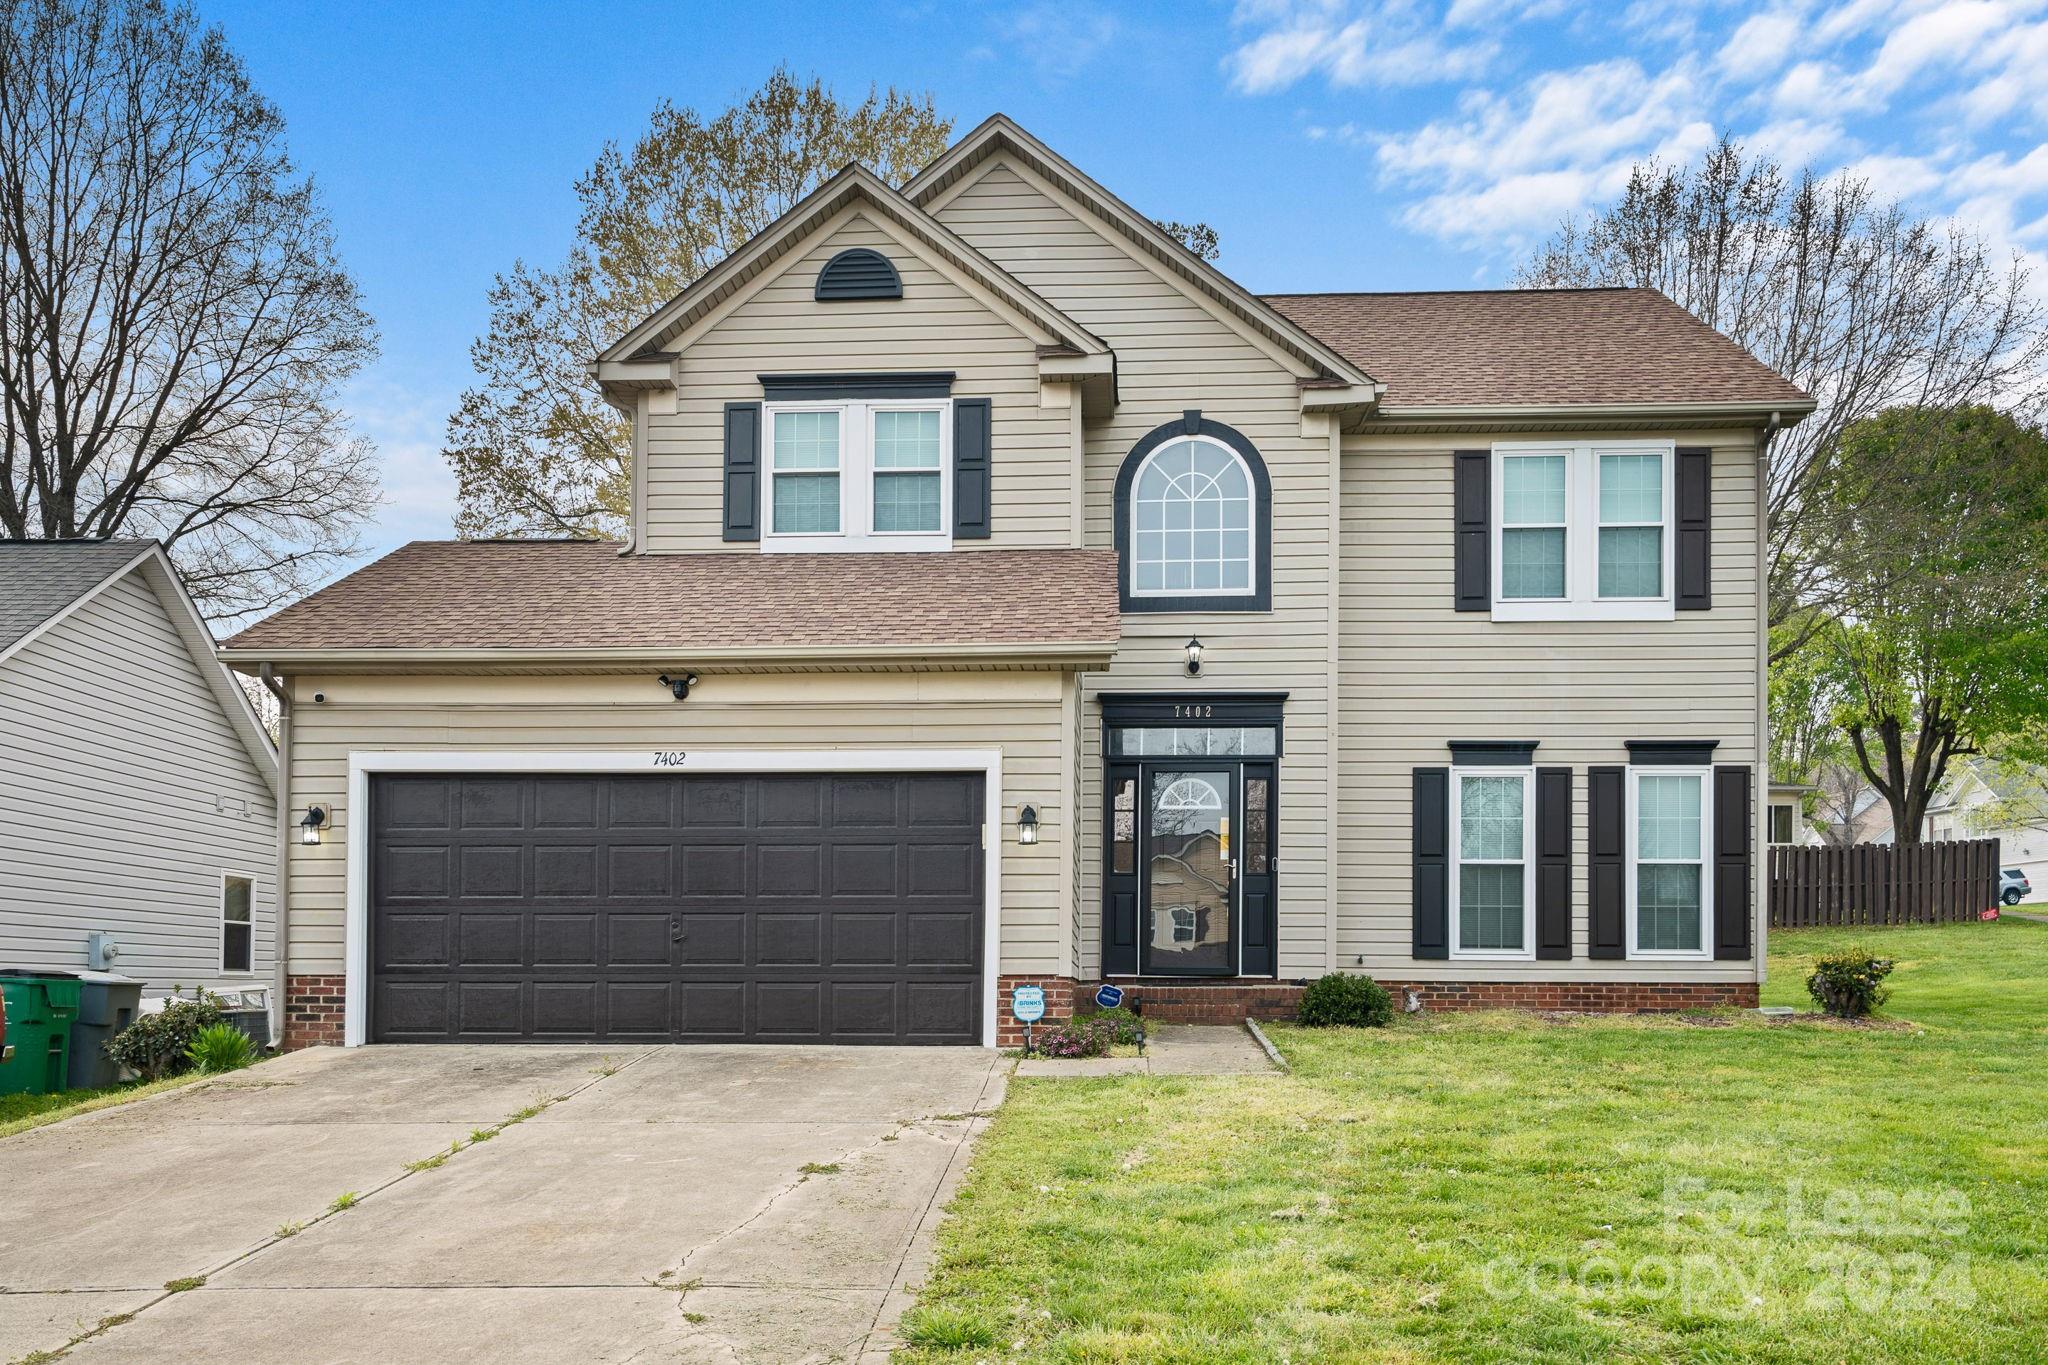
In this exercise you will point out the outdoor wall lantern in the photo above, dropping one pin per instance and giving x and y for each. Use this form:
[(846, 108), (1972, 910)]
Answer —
[(309, 828), (679, 685), (1027, 825), (1194, 656)]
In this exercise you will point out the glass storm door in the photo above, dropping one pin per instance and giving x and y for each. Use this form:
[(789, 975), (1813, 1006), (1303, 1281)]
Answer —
[(1188, 923)]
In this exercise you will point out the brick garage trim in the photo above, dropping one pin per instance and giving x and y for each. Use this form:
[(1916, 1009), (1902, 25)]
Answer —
[(313, 1011)]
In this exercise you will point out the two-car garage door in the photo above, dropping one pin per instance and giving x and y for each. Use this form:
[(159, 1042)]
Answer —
[(843, 908)]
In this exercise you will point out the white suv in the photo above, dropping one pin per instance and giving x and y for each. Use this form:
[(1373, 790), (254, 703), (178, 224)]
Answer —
[(2013, 886)]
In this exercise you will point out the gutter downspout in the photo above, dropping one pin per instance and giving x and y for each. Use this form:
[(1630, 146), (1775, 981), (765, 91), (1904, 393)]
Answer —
[(278, 936), (1761, 804)]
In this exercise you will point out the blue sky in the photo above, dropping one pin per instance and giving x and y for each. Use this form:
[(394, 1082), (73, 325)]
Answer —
[(1335, 145)]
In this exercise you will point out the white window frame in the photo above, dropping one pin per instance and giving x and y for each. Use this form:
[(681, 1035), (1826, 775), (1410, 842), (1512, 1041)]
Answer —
[(1527, 776), (1582, 601), (220, 915), (1251, 587), (857, 479), (1705, 952), (1791, 823)]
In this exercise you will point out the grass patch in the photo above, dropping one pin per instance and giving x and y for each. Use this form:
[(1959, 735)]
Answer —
[(344, 1201), (180, 1286), (1507, 1186), (289, 1230), (819, 1168), (19, 1113)]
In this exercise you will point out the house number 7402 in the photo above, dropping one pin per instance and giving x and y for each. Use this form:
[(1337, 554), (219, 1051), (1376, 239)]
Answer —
[(1192, 711), (668, 758)]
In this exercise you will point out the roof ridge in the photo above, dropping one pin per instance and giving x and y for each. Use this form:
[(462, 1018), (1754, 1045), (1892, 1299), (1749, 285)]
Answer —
[(1421, 293)]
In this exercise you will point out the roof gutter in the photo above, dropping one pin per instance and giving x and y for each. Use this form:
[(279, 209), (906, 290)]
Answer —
[(257, 659), (1783, 412)]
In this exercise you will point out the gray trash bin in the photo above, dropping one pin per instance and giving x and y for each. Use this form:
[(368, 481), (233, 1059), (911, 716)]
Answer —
[(107, 1003)]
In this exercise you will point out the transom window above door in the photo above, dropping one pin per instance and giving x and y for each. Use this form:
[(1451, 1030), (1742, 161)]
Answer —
[(859, 476), (1583, 531), (1192, 527)]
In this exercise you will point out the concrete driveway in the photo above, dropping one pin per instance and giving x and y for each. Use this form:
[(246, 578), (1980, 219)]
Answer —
[(659, 1207)]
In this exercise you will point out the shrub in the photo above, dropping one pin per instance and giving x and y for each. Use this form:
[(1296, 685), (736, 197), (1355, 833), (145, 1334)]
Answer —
[(1127, 1024), (220, 1047), (1084, 1036), (1343, 1000), (159, 1045), (1849, 983)]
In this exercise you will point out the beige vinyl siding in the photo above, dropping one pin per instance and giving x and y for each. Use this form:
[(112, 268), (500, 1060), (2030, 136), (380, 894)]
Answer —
[(1020, 713), (1175, 353), (125, 794), (781, 329), (1417, 674)]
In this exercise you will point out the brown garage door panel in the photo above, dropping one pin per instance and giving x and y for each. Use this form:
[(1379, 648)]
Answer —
[(796, 908)]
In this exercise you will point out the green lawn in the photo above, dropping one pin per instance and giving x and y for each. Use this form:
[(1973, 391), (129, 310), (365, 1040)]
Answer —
[(18, 1113), (1505, 1187)]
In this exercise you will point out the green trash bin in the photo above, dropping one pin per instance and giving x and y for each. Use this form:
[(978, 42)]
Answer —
[(39, 1014)]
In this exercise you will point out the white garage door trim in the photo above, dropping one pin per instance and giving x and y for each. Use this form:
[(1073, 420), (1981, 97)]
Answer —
[(363, 763)]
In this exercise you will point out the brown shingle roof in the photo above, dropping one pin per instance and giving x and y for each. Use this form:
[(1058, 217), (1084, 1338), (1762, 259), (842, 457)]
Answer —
[(1536, 347), (569, 595)]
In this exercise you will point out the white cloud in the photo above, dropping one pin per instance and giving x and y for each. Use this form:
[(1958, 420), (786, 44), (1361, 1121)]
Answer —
[(1392, 43), (1941, 103), (1059, 40), (419, 487), (1762, 44)]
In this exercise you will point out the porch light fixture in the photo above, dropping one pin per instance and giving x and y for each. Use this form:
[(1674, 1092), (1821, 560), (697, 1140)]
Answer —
[(1027, 825), (679, 685), (309, 828), (1194, 656)]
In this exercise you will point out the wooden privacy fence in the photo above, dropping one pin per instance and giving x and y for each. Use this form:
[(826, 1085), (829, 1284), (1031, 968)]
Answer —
[(1883, 883)]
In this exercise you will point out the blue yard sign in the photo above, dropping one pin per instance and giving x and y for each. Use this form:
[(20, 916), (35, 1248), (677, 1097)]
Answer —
[(1109, 997), (1028, 1004)]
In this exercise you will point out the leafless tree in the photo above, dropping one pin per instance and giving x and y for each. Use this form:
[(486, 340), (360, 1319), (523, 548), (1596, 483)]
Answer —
[(174, 323), (1860, 303)]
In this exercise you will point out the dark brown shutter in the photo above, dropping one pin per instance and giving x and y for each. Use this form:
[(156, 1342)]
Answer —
[(1554, 864), (971, 469), (1732, 863), (1694, 502), (1606, 862), (742, 471), (1472, 501), (1432, 868)]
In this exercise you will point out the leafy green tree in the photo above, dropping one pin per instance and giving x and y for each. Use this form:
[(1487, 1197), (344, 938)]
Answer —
[(1943, 570), (1806, 685), (535, 448)]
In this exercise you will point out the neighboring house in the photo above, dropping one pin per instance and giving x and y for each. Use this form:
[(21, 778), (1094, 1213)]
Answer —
[(1785, 822), (137, 785), (1985, 800), (1856, 814), (987, 545)]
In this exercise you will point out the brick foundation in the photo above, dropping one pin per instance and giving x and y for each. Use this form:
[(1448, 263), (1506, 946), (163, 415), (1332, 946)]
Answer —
[(1232, 1002), (1597, 997), (313, 1011)]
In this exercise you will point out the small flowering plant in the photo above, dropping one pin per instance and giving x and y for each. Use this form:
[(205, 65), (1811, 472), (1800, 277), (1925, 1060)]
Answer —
[(1087, 1036), (1849, 984)]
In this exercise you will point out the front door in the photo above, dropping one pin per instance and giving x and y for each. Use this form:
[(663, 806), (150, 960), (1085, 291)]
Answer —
[(1188, 922)]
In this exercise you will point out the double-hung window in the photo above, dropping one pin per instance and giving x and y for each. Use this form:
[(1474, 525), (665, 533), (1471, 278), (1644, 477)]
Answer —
[(859, 476), (1670, 877), (237, 923), (1493, 872), (1582, 531)]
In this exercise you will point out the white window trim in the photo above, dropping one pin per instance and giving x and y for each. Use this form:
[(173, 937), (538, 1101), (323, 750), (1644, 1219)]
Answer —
[(1527, 776), (1705, 952), (1251, 586), (1582, 535), (857, 479), (220, 915)]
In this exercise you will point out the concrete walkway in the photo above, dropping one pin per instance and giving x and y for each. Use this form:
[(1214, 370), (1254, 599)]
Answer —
[(1170, 1050), (675, 1203)]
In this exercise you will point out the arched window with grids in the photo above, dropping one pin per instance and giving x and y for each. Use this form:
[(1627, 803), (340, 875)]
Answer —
[(1193, 521)]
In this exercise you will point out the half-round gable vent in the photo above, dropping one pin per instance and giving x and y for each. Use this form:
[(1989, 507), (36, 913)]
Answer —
[(858, 273)]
